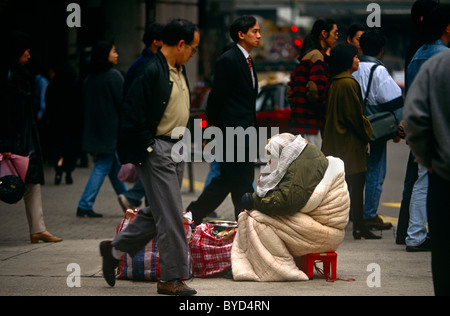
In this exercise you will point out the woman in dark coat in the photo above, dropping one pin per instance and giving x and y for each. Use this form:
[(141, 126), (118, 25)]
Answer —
[(19, 134), (101, 97), (347, 129)]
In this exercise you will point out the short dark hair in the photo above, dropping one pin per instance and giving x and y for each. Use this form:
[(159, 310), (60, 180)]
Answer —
[(355, 28), (435, 22), (421, 8), (99, 58), (341, 58), (241, 24), (372, 42), (177, 30), (153, 31)]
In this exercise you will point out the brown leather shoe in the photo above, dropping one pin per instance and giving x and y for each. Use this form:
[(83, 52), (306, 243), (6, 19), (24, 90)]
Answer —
[(45, 236), (109, 262), (377, 223), (175, 287)]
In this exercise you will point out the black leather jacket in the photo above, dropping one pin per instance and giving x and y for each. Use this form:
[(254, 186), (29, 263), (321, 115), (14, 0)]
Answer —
[(142, 110)]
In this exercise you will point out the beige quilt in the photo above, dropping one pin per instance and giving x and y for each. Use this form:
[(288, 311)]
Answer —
[(265, 247)]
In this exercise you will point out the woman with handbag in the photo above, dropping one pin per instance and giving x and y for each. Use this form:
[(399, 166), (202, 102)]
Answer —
[(19, 135), (347, 130)]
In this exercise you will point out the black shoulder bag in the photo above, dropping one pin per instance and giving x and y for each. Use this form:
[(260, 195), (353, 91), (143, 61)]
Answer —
[(384, 124)]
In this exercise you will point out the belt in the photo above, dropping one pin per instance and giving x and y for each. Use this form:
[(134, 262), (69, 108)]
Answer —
[(170, 139)]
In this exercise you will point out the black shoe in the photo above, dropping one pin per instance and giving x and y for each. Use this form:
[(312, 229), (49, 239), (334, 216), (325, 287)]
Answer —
[(109, 263), (377, 223), (357, 234), (69, 179), (58, 177), (425, 246), (88, 213)]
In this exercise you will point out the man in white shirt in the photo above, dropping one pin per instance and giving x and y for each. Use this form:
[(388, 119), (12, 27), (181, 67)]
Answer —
[(384, 96)]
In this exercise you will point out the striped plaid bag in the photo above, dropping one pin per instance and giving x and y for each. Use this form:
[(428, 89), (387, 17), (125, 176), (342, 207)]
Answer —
[(144, 266), (210, 254)]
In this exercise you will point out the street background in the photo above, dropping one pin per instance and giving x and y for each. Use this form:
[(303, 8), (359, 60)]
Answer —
[(41, 269)]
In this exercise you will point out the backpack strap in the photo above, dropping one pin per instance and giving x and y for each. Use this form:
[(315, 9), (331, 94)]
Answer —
[(372, 70)]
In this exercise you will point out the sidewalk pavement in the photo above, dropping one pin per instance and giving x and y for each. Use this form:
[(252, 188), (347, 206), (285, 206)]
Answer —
[(379, 267)]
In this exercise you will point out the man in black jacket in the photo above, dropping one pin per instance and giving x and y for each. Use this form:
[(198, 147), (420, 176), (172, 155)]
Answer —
[(232, 104), (157, 102)]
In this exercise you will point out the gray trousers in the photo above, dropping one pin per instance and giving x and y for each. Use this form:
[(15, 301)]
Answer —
[(163, 218)]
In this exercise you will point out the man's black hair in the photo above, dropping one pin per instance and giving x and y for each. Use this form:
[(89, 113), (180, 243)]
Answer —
[(354, 28), (241, 24), (372, 42), (177, 30), (153, 31), (435, 23)]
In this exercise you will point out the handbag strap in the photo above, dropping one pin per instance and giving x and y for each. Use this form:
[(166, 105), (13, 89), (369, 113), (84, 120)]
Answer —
[(12, 162), (372, 70)]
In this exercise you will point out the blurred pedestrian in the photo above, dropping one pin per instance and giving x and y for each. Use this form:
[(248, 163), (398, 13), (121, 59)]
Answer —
[(354, 34), (437, 25), (41, 82), (63, 121), (19, 134), (347, 130), (419, 10), (427, 125), (310, 81), (385, 96), (157, 103), (153, 41), (232, 103), (102, 97)]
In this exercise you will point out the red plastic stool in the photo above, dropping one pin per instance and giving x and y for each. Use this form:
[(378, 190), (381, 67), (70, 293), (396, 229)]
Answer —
[(329, 259)]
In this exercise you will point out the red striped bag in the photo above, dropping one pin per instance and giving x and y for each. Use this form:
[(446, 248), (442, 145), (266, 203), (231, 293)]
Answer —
[(210, 254)]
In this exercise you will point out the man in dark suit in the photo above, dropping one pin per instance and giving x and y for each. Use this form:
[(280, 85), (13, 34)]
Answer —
[(231, 104)]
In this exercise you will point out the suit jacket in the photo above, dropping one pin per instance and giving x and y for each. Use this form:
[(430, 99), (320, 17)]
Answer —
[(233, 98)]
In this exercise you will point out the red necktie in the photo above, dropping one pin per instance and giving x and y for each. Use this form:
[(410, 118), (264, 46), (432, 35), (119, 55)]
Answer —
[(250, 67)]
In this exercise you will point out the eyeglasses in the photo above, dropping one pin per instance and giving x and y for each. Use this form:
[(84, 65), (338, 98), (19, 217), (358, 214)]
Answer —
[(194, 50)]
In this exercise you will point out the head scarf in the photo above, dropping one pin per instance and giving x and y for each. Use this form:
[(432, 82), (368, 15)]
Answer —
[(283, 150)]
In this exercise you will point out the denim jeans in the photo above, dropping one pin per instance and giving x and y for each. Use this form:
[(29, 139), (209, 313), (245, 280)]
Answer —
[(408, 185), (375, 174), (417, 229), (136, 193), (105, 165)]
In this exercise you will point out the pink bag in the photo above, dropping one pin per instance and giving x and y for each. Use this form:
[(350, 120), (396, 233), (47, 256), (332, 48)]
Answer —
[(210, 254), (128, 173), (21, 163)]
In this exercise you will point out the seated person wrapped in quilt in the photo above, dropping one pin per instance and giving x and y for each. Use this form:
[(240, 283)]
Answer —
[(301, 206)]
